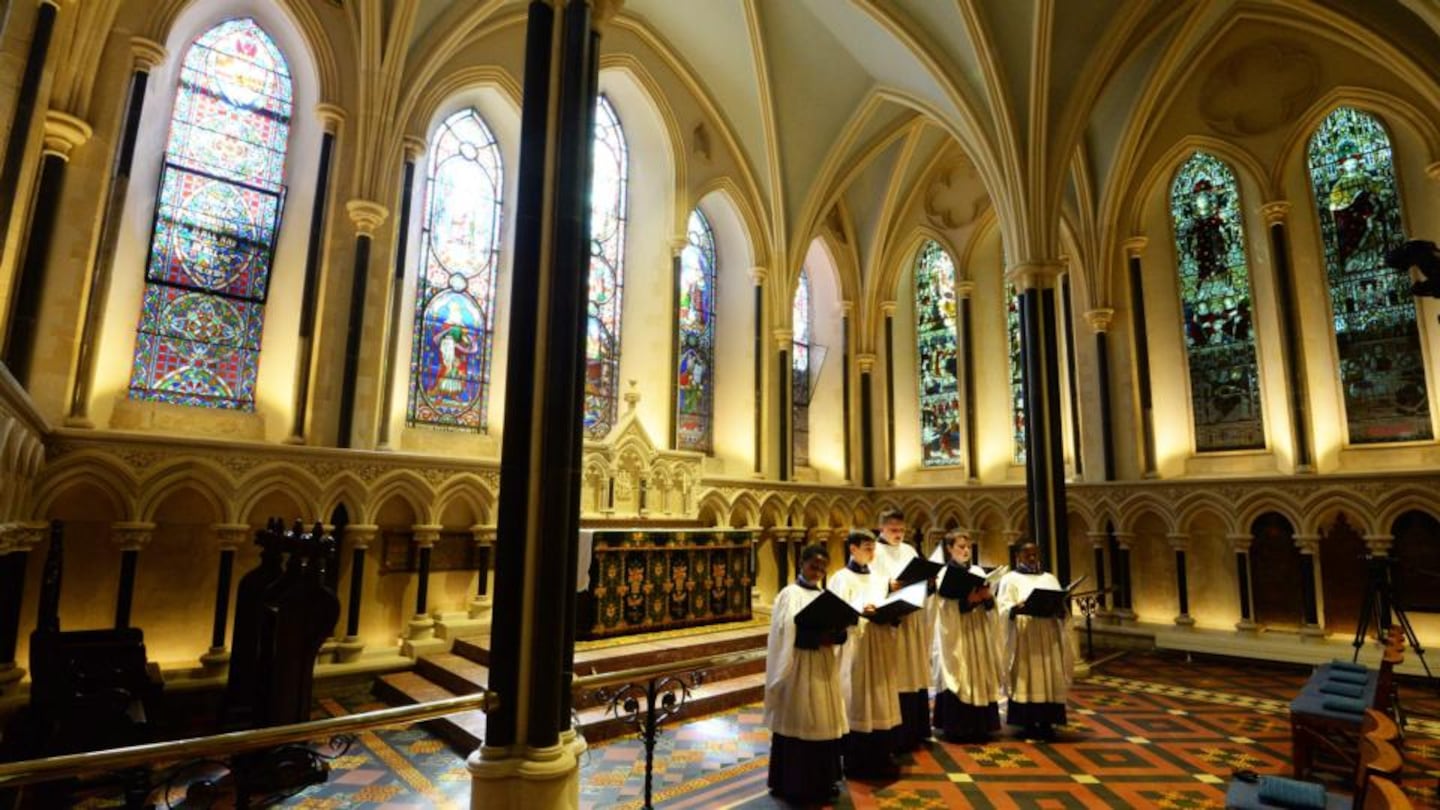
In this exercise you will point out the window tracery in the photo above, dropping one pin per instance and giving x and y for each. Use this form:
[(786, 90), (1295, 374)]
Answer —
[(801, 374), (607, 271), (695, 384), (935, 339)]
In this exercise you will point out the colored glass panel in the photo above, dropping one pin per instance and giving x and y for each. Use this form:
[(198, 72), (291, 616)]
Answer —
[(1017, 372), (1215, 300), (455, 292), (695, 385), (936, 342), (1377, 333), (216, 221), (802, 321), (607, 271)]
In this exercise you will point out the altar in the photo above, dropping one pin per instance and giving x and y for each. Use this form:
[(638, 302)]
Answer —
[(646, 580)]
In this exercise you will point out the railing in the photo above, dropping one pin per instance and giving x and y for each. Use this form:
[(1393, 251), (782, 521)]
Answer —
[(31, 771), (664, 690)]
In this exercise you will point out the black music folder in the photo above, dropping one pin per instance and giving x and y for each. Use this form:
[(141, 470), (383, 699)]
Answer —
[(827, 612), (900, 604), (919, 570), (1044, 602), (959, 582)]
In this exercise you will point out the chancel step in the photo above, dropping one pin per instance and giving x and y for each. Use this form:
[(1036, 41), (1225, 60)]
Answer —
[(464, 670)]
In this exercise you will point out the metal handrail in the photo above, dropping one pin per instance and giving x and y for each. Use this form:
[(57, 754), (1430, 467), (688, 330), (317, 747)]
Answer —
[(623, 676), (14, 774)]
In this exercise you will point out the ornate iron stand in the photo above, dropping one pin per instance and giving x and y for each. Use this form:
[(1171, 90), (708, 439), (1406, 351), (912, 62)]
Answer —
[(1089, 603), (664, 697)]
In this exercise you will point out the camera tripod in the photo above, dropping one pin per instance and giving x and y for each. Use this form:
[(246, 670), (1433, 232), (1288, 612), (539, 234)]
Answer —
[(1376, 609)]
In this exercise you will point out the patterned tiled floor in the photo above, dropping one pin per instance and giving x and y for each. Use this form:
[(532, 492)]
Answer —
[(1149, 730)]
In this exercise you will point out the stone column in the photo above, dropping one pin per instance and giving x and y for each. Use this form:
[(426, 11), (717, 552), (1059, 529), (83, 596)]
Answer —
[(865, 364), (1180, 544), (1241, 545), (147, 55), (887, 311), (846, 393), (16, 542), (367, 216), (531, 753), (1296, 391), (1134, 247), (129, 537), (1378, 545), (757, 279), (360, 535), (229, 537), (785, 374), (1309, 547), (63, 133), (1098, 543), (1067, 322), (1124, 604), (422, 625), (26, 98), (482, 603), (1044, 444), (414, 149), (331, 117), (1099, 320), (965, 291)]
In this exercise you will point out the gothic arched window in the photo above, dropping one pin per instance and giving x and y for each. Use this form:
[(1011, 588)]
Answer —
[(607, 271), (695, 336), (935, 353), (1382, 372), (1215, 298), (803, 321), (1017, 373), (216, 218), (455, 291)]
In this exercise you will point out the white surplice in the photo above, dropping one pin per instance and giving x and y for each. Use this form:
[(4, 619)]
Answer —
[(912, 658), (802, 687), (1039, 651), (872, 700), (968, 650)]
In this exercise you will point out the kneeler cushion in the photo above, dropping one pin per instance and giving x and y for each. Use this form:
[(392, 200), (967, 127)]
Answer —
[(1348, 665), (1292, 793), (1348, 676), (1344, 704), (1350, 690)]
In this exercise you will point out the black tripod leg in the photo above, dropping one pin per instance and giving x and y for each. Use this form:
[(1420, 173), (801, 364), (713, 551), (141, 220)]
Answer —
[(1368, 607)]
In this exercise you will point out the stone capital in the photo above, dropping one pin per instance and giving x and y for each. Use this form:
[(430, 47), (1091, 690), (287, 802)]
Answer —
[(1433, 171), (1100, 319), (887, 308), (1124, 540), (783, 338), (331, 116), (1134, 246), (847, 307), (678, 245), (231, 536), (1040, 275), (1098, 539), (64, 132), (964, 289), (866, 362), (132, 535), (425, 535), (367, 215), (22, 537), (1178, 541), (146, 53), (361, 535), (1379, 544), (1307, 543), (603, 11), (414, 147), (484, 535), (1240, 543), (1275, 211), (757, 275)]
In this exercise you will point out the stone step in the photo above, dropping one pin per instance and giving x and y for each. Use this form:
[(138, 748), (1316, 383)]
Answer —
[(453, 672), (464, 731), (642, 653)]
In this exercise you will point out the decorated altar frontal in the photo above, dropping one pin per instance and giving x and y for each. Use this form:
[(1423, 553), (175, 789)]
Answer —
[(646, 580)]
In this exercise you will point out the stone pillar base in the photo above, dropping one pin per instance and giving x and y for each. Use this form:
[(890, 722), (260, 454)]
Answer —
[(1247, 626), (1185, 620), (480, 608), (10, 675), (348, 649), (420, 628), (461, 626), (79, 422), (529, 779), (1312, 631), (1123, 615), (215, 659)]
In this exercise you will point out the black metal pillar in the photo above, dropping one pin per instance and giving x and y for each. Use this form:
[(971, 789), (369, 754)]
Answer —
[(360, 537), (1044, 451), (130, 537), (1071, 387), (786, 394), (1099, 320), (1133, 249), (757, 276), (866, 363), (1241, 544), (966, 290), (1180, 544), (368, 217), (25, 104), (888, 308), (846, 410), (414, 148), (229, 537)]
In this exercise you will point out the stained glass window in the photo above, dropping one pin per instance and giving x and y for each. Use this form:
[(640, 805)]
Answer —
[(215, 225), (695, 385), (935, 340), (803, 318), (1215, 300), (607, 271), (455, 292), (1377, 333), (1017, 373)]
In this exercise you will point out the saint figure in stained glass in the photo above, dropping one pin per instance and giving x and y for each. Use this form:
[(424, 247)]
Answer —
[(935, 343), (694, 382), (607, 271), (1215, 300), (803, 319), (1377, 333), (1017, 373), (455, 288), (216, 221)]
